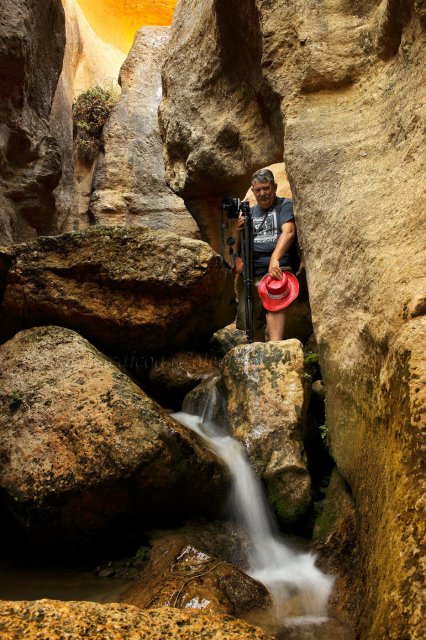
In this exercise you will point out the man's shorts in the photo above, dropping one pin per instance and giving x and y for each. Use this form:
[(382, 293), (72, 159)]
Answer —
[(259, 312)]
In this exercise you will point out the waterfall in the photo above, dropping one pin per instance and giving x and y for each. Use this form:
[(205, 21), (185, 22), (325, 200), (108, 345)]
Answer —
[(299, 589)]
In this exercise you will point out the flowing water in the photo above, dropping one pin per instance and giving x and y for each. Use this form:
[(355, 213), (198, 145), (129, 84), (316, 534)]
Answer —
[(300, 591)]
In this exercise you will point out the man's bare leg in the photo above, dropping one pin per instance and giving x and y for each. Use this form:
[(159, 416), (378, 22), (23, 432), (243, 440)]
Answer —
[(275, 321)]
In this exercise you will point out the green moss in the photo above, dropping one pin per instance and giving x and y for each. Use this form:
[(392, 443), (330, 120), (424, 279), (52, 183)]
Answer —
[(336, 507), (15, 400), (141, 555), (324, 432), (312, 367), (288, 512)]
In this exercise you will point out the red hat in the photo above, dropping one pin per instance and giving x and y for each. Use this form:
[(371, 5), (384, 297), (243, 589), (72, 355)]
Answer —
[(278, 294)]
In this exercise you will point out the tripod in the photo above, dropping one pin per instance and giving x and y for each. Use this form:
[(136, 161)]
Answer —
[(247, 257)]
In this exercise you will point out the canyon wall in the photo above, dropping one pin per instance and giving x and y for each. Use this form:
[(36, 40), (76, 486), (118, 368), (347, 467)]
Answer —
[(346, 84), (129, 186), (32, 41), (88, 61)]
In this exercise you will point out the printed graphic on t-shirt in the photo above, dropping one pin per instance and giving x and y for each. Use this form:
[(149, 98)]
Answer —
[(265, 232)]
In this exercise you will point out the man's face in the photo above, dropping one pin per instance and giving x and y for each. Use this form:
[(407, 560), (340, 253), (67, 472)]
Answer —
[(265, 193)]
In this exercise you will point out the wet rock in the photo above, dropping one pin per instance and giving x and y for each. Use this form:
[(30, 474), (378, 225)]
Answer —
[(337, 505), (85, 452), (318, 389), (174, 376), (335, 536), (123, 288), (226, 339), (266, 408), (32, 41), (54, 619), (129, 186), (188, 569), (208, 400)]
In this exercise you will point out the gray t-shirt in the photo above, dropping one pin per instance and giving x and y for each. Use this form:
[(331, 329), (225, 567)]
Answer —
[(267, 225)]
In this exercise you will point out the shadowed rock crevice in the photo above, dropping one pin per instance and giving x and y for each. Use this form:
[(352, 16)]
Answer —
[(391, 18)]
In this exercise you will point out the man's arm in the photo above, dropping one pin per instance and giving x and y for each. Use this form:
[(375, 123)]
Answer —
[(286, 239)]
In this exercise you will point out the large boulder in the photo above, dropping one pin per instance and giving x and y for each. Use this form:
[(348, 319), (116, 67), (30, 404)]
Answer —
[(79, 620), (187, 570), (337, 71), (32, 41), (129, 186), (84, 451), (130, 289), (266, 409)]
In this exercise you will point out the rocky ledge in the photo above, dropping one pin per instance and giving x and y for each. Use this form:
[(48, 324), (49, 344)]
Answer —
[(76, 620), (122, 288)]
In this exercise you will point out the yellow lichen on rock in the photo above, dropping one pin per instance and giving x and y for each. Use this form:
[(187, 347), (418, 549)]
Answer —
[(55, 620), (116, 21)]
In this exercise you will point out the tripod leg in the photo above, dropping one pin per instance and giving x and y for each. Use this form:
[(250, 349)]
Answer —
[(247, 251)]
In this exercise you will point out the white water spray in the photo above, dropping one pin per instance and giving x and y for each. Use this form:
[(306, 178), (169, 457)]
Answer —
[(299, 589)]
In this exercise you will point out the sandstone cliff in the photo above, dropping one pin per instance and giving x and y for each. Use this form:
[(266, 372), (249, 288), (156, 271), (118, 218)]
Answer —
[(129, 186), (88, 61), (347, 82), (32, 40)]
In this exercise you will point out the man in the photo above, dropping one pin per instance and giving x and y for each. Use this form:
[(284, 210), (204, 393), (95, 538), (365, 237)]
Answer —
[(275, 251)]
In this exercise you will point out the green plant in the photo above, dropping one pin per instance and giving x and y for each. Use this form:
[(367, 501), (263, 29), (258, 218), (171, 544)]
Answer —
[(15, 399), (324, 432), (311, 358), (90, 112), (141, 555), (312, 365)]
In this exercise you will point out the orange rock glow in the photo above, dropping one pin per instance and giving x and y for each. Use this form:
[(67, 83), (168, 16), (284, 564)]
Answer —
[(116, 21)]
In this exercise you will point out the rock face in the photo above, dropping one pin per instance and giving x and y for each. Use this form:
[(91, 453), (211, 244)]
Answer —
[(129, 186), (337, 72), (128, 289), (266, 407), (182, 573), (32, 41), (88, 61), (210, 123), (84, 451), (54, 619)]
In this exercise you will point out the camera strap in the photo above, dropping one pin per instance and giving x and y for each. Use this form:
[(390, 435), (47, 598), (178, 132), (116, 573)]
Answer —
[(277, 213)]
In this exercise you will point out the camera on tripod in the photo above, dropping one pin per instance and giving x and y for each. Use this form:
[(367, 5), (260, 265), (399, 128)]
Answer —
[(233, 206)]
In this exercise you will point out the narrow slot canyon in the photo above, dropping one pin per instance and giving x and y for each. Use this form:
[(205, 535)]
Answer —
[(163, 474)]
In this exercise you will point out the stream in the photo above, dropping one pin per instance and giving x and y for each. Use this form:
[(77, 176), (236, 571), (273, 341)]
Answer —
[(299, 589)]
